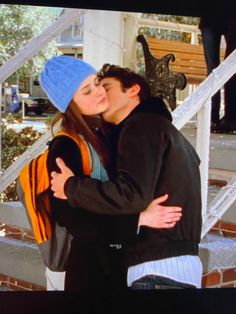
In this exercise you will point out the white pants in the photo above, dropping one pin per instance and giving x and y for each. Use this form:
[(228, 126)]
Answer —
[(55, 280)]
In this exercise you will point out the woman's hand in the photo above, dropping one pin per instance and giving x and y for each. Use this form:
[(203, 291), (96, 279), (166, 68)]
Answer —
[(160, 216)]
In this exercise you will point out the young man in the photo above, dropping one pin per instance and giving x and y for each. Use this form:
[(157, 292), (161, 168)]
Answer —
[(152, 158)]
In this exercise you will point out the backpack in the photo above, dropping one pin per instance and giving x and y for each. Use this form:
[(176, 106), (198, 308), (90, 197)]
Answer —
[(33, 185)]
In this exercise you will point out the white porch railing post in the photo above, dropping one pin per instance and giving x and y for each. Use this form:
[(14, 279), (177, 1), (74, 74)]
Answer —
[(202, 148), (23, 108), (194, 38), (0, 128), (130, 32)]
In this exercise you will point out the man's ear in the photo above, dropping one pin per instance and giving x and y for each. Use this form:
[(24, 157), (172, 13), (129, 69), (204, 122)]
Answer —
[(134, 90)]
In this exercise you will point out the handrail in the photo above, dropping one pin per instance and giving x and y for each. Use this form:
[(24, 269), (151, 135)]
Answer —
[(174, 26), (12, 172), (24, 54), (219, 205), (38, 43), (195, 102)]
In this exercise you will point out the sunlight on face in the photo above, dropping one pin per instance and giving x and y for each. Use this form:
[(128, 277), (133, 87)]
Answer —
[(91, 97)]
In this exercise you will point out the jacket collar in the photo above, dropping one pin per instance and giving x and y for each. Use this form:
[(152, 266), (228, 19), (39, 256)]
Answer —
[(151, 105)]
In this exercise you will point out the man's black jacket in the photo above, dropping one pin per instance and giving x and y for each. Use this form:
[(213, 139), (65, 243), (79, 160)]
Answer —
[(153, 158)]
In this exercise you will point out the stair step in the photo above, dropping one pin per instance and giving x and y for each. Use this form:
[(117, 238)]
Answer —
[(230, 215), (222, 163), (222, 148), (14, 214), (22, 260), (221, 174), (217, 252), (19, 259), (217, 182)]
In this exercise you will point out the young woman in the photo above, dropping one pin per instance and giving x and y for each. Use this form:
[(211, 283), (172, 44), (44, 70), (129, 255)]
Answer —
[(95, 260)]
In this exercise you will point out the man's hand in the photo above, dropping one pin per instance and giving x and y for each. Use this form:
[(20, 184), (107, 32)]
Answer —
[(59, 179), (159, 216)]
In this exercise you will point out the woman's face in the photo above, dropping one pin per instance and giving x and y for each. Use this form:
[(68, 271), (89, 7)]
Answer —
[(91, 97)]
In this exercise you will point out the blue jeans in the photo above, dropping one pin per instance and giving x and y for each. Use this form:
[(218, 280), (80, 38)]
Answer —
[(158, 282)]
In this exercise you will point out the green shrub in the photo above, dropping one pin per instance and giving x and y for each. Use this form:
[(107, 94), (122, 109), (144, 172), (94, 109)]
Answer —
[(14, 143)]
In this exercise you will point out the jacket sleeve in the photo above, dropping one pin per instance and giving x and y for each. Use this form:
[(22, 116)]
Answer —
[(63, 213), (139, 160), (65, 148), (75, 219)]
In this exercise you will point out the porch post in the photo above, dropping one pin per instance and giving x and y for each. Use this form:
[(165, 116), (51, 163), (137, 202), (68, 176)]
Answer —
[(130, 43), (103, 37), (203, 149)]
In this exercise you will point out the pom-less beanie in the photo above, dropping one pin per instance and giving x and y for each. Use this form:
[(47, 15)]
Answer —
[(61, 78)]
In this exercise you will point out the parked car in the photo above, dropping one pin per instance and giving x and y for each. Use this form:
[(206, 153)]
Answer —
[(37, 105)]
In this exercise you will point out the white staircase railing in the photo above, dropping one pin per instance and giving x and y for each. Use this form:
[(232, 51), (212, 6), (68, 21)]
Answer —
[(219, 205), (197, 103), (12, 172), (38, 43)]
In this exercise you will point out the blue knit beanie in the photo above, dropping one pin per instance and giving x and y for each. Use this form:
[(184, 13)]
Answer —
[(61, 78)]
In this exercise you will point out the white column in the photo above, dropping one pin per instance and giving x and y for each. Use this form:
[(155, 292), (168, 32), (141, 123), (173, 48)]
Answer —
[(203, 149), (103, 37), (130, 43)]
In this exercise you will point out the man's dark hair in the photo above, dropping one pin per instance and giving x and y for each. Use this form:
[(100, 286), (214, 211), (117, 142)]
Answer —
[(127, 79)]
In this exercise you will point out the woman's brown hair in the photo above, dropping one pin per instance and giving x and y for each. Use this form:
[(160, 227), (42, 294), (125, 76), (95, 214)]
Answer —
[(93, 129)]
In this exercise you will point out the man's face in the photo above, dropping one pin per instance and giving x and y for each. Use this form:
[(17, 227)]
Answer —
[(118, 100)]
